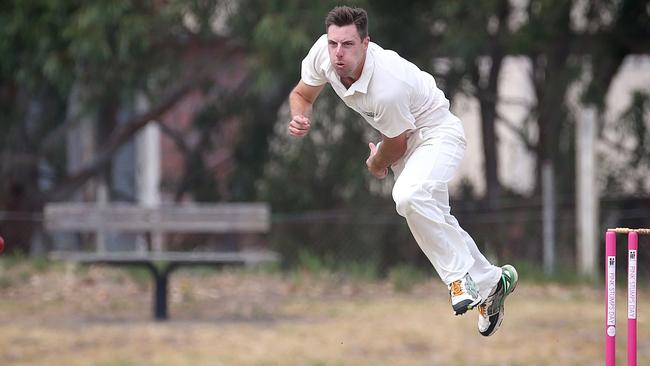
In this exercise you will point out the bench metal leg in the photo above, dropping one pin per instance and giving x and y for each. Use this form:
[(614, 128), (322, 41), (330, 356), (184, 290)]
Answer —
[(160, 296), (161, 284)]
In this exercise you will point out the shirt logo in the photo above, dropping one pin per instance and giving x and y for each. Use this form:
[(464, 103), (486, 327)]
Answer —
[(369, 114)]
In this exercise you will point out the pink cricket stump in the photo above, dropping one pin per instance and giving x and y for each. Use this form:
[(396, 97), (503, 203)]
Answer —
[(610, 299), (632, 248)]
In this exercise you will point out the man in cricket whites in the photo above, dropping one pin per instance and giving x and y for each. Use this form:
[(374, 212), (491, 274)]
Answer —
[(422, 142)]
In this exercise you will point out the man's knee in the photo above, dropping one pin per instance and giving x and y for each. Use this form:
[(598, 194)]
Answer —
[(423, 197), (407, 198)]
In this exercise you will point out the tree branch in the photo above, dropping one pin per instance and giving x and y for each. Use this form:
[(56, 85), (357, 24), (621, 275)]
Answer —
[(117, 139), (517, 131)]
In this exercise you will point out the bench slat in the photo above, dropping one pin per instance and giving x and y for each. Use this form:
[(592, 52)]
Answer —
[(245, 257), (219, 218)]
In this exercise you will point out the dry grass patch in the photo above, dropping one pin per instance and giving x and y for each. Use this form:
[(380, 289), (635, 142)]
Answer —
[(101, 316)]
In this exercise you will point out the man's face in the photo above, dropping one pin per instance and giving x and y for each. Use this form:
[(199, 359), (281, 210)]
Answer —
[(347, 50)]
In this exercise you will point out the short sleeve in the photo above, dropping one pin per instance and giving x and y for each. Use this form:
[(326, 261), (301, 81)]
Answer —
[(312, 73), (393, 115)]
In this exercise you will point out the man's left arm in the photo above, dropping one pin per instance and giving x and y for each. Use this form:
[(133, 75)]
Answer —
[(385, 153)]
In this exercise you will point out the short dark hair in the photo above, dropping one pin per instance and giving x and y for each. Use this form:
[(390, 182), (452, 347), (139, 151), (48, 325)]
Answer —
[(344, 15)]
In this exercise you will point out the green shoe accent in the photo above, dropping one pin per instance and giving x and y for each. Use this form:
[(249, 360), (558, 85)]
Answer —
[(492, 311), (510, 277)]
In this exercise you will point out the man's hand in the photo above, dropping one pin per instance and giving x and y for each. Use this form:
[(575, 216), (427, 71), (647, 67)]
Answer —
[(301, 99), (378, 171), (299, 126), (392, 149)]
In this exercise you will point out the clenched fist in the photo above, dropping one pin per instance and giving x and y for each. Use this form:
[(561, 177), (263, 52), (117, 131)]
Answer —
[(377, 171), (298, 126)]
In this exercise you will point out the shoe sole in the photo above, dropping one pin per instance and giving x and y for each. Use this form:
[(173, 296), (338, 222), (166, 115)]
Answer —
[(491, 330), (465, 305)]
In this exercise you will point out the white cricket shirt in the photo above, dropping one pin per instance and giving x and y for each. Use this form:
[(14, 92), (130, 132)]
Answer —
[(392, 94)]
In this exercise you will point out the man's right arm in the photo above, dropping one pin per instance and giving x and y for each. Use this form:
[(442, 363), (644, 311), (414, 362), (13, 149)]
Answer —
[(301, 100)]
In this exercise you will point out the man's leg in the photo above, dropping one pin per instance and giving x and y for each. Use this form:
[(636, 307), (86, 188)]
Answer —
[(494, 283), (421, 195), (442, 244), (485, 274)]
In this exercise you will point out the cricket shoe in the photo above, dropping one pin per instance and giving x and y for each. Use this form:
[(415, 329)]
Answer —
[(464, 295), (492, 311)]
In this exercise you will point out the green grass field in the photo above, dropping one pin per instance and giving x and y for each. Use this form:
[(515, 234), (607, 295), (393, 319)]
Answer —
[(58, 315)]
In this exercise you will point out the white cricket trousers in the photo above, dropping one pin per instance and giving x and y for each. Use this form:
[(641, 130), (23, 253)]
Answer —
[(421, 195)]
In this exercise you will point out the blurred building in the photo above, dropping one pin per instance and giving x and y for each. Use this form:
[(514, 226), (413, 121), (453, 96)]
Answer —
[(516, 164)]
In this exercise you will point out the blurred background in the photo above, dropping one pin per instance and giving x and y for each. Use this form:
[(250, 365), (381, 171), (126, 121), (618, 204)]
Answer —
[(185, 101)]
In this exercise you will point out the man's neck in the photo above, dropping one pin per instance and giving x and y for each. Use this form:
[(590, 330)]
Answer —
[(347, 81)]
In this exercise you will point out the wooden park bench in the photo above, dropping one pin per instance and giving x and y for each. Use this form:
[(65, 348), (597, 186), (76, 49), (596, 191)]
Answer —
[(128, 218)]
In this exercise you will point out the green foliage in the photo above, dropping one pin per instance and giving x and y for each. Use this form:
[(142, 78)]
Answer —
[(326, 167), (534, 273), (314, 264), (366, 270), (10, 261), (52, 41), (41, 264), (140, 275), (328, 265), (403, 28), (29, 39), (37, 264), (404, 277), (452, 18)]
